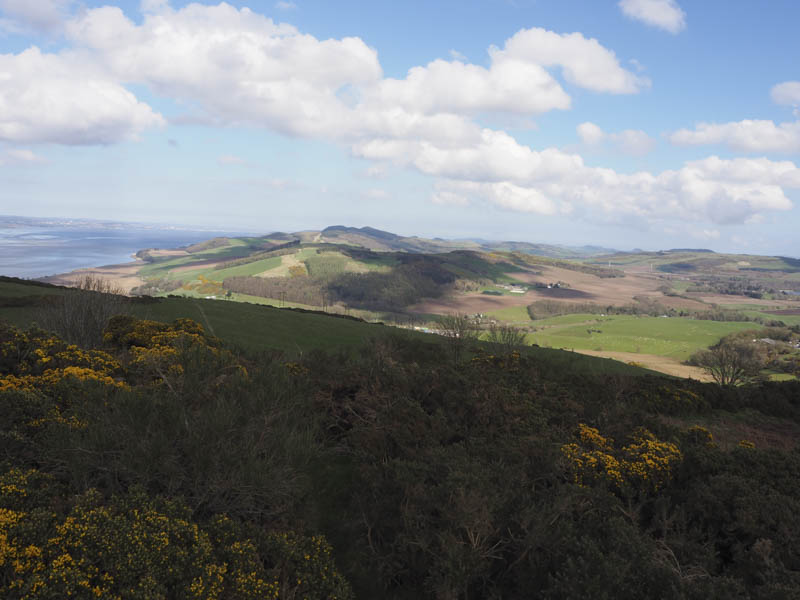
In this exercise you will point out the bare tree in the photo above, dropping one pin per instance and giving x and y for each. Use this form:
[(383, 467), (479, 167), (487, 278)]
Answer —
[(731, 362), (507, 337), (460, 330), (82, 313)]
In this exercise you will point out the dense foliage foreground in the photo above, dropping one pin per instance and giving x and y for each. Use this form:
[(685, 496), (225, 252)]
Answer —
[(167, 465)]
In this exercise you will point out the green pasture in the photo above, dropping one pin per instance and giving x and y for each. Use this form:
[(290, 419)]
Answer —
[(163, 268), (258, 327), (573, 319), (673, 337), (512, 314), (245, 270)]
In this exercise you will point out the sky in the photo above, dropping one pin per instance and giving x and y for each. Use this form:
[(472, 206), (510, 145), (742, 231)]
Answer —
[(649, 124)]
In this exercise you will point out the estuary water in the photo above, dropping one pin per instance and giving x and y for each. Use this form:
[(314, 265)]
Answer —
[(31, 248)]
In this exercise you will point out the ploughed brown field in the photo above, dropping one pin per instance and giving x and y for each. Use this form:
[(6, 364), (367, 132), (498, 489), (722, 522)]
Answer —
[(744, 300), (583, 287)]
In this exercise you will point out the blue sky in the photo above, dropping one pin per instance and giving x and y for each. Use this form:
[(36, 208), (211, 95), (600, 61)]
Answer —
[(632, 123)]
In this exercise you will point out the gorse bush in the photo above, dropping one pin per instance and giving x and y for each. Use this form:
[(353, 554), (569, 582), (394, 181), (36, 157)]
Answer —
[(645, 465), (137, 546), (156, 472), (169, 465)]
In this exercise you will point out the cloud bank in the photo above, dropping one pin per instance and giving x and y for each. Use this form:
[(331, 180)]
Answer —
[(234, 67)]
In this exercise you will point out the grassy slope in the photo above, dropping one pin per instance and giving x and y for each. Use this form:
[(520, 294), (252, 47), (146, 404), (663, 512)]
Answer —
[(248, 269), (255, 327), (512, 314), (18, 289)]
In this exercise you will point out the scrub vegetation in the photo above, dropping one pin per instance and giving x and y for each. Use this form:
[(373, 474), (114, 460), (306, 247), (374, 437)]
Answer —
[(172, 461)]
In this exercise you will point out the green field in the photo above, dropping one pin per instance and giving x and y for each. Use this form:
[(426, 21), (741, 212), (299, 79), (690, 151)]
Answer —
[(258, 327), (574, 319), (255, 327), (672, 337), (248, 269), (511, 314)]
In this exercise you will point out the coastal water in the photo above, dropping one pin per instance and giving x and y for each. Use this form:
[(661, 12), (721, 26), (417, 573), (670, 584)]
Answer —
[(32, 248)]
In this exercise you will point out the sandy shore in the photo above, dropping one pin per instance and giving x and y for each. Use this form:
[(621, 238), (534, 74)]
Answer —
[(123, 276)]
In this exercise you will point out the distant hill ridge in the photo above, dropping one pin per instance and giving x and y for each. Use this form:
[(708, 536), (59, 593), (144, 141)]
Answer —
[(386, 241)]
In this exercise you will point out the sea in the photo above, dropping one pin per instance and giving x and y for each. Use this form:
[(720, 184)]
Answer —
[(33, 247)]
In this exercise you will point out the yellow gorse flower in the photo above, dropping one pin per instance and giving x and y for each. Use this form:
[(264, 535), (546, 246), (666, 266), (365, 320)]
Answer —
[(644, 465)]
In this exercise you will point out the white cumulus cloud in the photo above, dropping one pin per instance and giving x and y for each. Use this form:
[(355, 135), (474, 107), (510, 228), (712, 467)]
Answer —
[(664, 14), (499, 170), (229, 66), (747, 136), (57, 98), (584, 61), (509, 85), (233, 66)]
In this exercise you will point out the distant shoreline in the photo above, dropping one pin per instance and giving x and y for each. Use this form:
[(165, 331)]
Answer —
[(123, 275), (60, 249)]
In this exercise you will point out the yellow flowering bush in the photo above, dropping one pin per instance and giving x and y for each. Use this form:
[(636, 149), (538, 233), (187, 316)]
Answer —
[(157, 351), (124, 331), (54, 544), (52, 378), (700, 436), (138, 547), (644, 465), (40, 378), (35, 351)]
